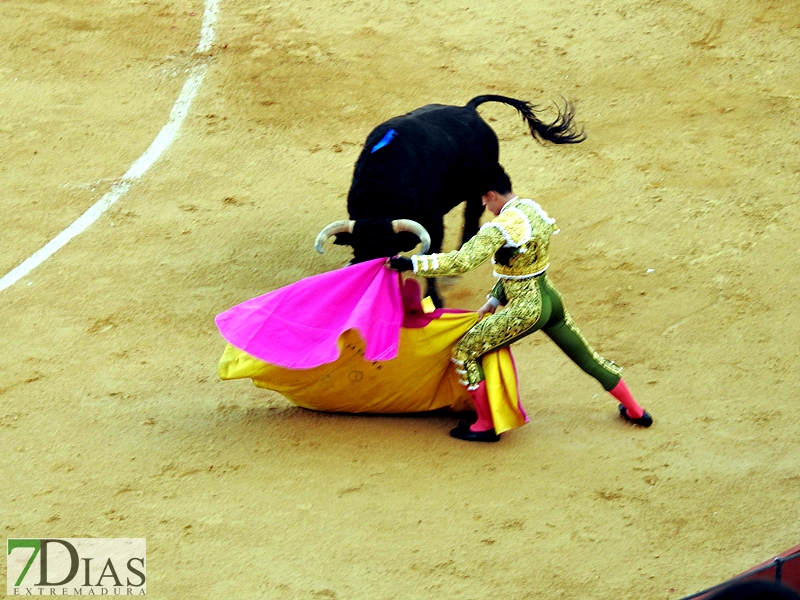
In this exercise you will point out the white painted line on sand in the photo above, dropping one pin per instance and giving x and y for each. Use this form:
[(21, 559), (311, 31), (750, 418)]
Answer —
[(163, 140)]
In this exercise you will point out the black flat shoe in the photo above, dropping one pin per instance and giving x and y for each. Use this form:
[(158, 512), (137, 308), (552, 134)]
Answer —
[(465, 433), (644, 421), (469, 419)]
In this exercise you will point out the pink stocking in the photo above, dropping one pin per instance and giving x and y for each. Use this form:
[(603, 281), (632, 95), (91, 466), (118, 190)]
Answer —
[(480, 398), (624, 396)]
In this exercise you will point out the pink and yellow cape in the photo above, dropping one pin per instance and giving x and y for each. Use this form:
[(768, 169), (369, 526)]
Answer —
[(358, 340)]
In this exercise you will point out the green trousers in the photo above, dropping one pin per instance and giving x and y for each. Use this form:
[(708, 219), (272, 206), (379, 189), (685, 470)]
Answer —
[(530, 305)]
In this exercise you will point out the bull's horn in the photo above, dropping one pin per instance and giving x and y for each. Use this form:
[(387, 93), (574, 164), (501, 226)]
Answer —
[(415, 228), (332, 229)]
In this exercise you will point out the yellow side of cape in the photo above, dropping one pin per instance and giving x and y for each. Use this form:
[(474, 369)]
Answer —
[(421, 378)]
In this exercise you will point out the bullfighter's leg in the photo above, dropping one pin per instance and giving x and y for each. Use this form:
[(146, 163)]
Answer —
[(523, 315), (563, 331), (482, 430)]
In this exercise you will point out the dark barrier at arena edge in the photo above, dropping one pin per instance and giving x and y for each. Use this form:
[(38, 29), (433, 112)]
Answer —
[(785, 569)]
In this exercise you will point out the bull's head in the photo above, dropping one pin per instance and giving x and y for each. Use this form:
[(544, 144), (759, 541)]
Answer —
[(375, 238)]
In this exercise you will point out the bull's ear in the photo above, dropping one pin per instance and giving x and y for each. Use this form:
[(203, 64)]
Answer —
[(343, 239)]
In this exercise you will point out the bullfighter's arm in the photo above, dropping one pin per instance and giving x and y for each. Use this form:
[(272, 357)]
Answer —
[(499, 293), (473, 253)]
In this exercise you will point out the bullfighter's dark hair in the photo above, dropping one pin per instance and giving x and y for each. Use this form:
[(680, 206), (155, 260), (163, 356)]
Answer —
[(495, 179), (560, 131)]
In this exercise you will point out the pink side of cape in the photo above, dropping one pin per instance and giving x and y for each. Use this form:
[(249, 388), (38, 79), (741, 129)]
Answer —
[(298, 326)]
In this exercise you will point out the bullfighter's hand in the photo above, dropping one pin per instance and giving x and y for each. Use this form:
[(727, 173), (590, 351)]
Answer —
[(487, 308), (491, 305), (401, 263)]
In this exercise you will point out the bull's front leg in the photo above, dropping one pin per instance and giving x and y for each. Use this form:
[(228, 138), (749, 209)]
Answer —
[(437, 236), (472, 218), (433, 292)]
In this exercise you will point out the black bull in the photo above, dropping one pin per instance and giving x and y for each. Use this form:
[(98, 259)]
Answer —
[(419, 166)]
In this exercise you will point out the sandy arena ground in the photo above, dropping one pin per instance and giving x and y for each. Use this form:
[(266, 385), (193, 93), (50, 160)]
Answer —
[(677, 258)]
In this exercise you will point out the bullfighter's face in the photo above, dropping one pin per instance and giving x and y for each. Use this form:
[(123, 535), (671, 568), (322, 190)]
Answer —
[(494, 202)]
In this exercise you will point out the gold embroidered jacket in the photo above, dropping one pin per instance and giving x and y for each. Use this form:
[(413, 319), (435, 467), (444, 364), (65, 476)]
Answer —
[(519, 239)]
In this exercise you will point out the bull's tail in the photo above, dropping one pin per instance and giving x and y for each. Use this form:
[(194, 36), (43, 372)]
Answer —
[(561, 131)]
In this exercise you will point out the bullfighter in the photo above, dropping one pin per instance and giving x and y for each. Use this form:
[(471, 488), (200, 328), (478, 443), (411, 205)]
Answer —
[(518, 239)]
